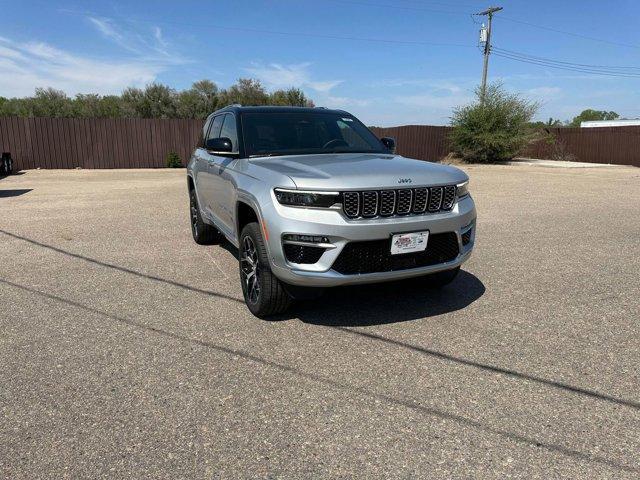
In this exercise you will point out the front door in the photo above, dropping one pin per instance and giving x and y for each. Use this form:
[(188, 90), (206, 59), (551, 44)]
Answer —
[(206, 181), (222, 170)]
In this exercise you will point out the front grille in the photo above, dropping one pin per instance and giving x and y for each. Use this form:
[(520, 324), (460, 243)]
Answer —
[(375, 255), (404, 201), (302, 253)]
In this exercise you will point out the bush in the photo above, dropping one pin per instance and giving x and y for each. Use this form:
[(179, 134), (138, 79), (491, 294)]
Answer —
[(173, 160), (494, 130)]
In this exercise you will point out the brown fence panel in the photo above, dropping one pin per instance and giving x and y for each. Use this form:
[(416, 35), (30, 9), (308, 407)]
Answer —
[(96, 142), (424, 142), (617, 145), (145, 142)]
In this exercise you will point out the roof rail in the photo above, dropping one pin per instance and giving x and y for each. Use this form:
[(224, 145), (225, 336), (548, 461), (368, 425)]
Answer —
[(324, 108), (233, 105)]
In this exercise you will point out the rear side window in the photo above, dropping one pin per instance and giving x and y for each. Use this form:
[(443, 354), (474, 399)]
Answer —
[(216, 125), (229, 130)]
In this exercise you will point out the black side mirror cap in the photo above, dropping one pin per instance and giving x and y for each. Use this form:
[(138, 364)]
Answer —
[(390, 143), (219, 145)]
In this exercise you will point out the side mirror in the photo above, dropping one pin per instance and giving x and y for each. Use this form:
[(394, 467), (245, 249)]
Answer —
[(390, 143), (219, 145)]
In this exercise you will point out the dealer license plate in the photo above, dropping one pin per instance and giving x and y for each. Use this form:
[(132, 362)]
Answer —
[(409, 242)]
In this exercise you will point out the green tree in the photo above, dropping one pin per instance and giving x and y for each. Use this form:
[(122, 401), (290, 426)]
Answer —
[(495, 129), (49, 102), (551, 123), (245, 92), (199, 101), (590, 115), (292, 97)]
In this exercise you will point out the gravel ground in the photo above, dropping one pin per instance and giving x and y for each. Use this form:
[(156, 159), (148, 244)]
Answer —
[(127, 352)]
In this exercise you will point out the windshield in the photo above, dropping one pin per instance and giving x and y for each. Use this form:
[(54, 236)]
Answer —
[(306, 132)]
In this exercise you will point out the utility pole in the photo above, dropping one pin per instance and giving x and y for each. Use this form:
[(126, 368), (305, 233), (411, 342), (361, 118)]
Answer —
[(487, 47)]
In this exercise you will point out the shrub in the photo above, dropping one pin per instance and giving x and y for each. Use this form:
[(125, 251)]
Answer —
[(173, 160), (495, 129)]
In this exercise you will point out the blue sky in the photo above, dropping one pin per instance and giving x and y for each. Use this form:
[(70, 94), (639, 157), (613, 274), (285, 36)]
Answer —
[(390, 62)]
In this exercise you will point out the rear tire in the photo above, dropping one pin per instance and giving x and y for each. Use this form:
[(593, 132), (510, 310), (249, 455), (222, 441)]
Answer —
[(263, 293), (203, 234), (440, 279)]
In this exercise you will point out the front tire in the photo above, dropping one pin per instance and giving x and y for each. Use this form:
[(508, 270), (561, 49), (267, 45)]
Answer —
[(203, 234), (263, 293)]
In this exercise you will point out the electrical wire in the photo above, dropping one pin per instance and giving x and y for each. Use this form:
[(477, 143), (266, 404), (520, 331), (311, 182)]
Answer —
[(573, 34), (607, 73), (275, 32), (573, 64)]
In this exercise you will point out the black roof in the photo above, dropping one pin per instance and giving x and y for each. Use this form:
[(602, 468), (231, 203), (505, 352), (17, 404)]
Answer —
[(278, 109)]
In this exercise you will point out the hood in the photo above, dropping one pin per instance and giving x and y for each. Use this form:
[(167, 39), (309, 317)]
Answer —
[(355, 171)]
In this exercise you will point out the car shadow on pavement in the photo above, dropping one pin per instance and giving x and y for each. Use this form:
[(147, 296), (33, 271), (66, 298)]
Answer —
[(379, 303), (14, 193), (376, 304)]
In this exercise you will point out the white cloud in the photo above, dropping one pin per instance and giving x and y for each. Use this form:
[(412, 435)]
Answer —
[(157, 33), (26, 66), (344, 102), (276, 75), (544, 92), (435, 100), (107, 29)]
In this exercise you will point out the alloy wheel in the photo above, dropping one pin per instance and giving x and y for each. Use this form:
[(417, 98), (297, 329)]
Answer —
[(250, 269), (194, 213)]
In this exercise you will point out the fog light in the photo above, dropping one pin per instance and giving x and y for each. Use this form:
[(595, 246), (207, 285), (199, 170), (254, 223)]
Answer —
[(466, 236)]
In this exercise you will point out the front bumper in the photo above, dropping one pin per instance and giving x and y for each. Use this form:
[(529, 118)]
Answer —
[(340, 230)]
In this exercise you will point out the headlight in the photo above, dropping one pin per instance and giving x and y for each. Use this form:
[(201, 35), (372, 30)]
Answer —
[(301, 198), (462, 189)]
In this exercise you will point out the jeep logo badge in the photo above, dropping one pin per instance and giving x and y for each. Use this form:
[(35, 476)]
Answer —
[(404, 180)]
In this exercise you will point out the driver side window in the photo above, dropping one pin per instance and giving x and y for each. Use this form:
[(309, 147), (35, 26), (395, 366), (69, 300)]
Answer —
[(229, 130), (216, 125)]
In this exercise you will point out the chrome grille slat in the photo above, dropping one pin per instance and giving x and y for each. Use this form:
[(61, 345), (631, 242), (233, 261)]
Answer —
[(351, 204), (435, 199), (387, 202), (449, 197), (369, 203), (420, 197), (402, 201)]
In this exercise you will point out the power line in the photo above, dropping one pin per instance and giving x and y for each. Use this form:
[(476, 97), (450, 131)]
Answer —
[(276, 32), (402, 7), (608, 73), (573, 34), (534, 57)]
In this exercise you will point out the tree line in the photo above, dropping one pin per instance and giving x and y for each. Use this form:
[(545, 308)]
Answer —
[(584, 116), (154, 101)]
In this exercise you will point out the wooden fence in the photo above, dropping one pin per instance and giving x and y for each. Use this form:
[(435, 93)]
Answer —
[(617, 145), (144, 143), (96, 142)]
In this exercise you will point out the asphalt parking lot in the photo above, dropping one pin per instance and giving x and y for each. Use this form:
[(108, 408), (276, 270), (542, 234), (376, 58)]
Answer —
[(126, 349)]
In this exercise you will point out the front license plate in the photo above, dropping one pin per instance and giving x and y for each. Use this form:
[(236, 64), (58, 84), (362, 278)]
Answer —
[(409, 242)]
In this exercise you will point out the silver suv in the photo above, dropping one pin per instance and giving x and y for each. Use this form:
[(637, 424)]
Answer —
[(312, 198)]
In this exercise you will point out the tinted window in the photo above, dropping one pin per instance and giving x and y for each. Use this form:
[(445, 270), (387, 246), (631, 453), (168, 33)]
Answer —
[(306, 132), (214, 132), (229, 130)]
